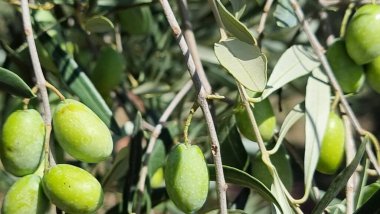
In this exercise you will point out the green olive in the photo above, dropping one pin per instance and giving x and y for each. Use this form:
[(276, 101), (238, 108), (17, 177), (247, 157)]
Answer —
[(332, 147), (186, 177), (22, 142), (72, 189), (265, 119), (373, 74), (25, 196), (350, 76), (362, 35), (81, 133)]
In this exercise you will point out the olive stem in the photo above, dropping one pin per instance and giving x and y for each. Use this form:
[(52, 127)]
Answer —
[(188, 122), (55, 90), (41, 82), (27, 100), (154, 136), (346, 17), (203, 103), (322, 58), (263, 19)]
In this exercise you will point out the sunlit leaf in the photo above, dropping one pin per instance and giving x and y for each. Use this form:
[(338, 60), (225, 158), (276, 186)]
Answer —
[(98, 24), (297, 61), (13, 84), (284, 14), (241, 178), (291, 118), (234, 26), (243, 61), (317, 108)]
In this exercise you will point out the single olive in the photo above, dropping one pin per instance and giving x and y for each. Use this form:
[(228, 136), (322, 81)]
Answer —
[(26, 196), (22, 142), (350, 76), (332, 147), (81, 133), (373, 74), (265, 119), (186, 177), (362, 35), (72, 189)]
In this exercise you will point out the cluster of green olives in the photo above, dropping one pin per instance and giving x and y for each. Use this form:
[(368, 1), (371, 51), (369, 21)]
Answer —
[(81, 133), (358, 54)]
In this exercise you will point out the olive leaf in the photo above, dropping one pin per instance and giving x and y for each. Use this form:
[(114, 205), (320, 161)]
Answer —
[(98, 24), (13, 84), (284, 14), (243, 61)]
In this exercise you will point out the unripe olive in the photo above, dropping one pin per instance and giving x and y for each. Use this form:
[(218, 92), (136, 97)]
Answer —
[(186, 177), (25, 196), (362, 35), (350, 76), (373, 74), (22, 142), (265, 119), (72, 189), (332, 147), (81, 133)]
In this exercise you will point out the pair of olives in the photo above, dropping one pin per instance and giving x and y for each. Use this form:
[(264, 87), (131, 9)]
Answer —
[(358, 55), (70, 188), (81, 133)]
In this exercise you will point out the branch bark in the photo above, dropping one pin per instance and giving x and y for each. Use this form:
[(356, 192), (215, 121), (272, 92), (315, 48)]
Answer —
[(202, 94), (41, 82)]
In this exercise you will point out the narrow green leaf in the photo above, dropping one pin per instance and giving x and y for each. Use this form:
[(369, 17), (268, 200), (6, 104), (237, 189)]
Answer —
[(232, 149), (297, 61), (371, 206), (341, 179), (234, 26), (98, 24), (13, 84), (243, 61), (128, 21), (119, 167), (368, 191), (317, 109), (235, 176), (238, 7), (284, 14)]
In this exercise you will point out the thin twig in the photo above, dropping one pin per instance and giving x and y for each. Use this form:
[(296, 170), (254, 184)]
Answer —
[(322, 58), (263, 20), (41, 82), (154, 136), (202, 94)]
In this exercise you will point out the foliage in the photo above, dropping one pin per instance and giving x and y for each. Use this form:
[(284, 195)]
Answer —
[(120, 59)]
